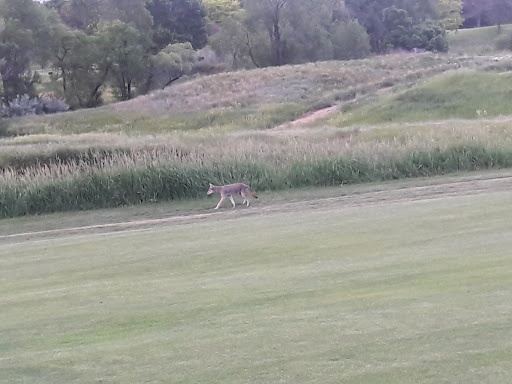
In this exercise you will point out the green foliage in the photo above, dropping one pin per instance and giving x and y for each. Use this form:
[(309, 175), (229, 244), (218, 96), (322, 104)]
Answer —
[(132, 12), (124, 46), (451, 14), (282, 32), (487, 12), (350, 41), (402, 32), (170, 64), (178, 21), (82, 14), (23, 27), (84, 67), (219, 11), (400, 24), (231, 41)]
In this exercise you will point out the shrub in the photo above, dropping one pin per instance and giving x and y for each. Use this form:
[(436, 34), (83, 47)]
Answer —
[(20, 106), (24, 106)]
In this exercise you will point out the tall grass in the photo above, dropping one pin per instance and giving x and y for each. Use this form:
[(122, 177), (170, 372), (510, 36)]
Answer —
[(140, 175)]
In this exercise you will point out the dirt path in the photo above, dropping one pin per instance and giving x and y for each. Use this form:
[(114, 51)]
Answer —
[(387, 196), (296, 126), (314, 115)]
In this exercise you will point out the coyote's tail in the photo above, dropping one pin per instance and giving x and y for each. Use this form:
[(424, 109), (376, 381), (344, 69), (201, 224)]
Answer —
[(254, 195)]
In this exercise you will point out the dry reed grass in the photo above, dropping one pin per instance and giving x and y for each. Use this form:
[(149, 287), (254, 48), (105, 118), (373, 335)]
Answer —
[(275, 151)]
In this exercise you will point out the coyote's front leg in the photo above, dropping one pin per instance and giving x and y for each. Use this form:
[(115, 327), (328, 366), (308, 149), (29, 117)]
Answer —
[(220, 202)]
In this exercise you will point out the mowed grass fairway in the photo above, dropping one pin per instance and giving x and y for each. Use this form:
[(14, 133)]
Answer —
[(407, 291)]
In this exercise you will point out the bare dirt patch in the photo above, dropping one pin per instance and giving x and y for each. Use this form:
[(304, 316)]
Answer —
[(345, 199), (295, 127), (314, 115)]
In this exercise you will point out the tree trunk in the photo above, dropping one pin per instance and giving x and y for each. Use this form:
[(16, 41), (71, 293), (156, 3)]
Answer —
[(278, 45), (94, 94), (275, 34), (250, 50), (171, 80)]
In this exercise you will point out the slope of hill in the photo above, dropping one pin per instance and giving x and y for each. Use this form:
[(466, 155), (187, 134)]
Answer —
[(455, 94), (477, 41), (260, 98)]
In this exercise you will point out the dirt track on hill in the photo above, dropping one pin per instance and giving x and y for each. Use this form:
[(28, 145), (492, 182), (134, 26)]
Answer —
[(367, 198)]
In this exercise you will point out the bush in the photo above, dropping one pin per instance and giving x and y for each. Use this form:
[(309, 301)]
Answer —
[(20, 106), (25, 106), (49, 105)]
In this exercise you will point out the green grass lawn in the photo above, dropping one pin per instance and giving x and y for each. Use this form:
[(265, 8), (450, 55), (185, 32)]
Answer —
[(405, 292)]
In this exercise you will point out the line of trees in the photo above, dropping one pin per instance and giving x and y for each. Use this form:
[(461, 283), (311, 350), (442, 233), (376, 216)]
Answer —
[(480, 13), (134, 46)]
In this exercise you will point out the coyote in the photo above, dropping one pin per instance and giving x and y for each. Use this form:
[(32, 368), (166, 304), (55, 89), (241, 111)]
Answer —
[(230, 190)]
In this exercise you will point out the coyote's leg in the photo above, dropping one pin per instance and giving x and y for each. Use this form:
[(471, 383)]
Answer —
[(220, 202), (232, 201), (246, 200)]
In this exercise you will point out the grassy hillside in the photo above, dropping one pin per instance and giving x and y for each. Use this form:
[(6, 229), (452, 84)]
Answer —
[(256, 99), (461, 94), (477, 41)]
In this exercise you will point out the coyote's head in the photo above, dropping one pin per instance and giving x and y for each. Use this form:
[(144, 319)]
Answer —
[(210, 190)]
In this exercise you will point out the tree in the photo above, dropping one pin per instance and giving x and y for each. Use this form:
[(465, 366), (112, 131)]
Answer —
[(82, 14), (400, 28), (27, 36), (170, 64), (218, 11), (370, 14), (231, 41), (400, 23), (270, 14), (292, 31), (124, 55), (178, 21), (84, 65), (403, 32), (451, 14), (132, 12), (350, 41), (479, 13), (500, 12)]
